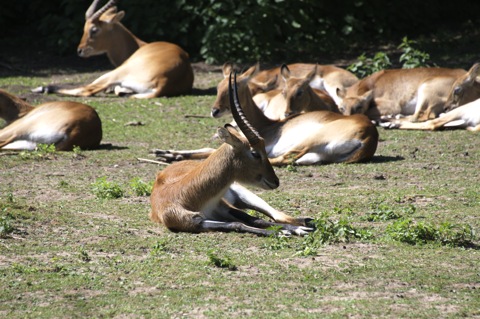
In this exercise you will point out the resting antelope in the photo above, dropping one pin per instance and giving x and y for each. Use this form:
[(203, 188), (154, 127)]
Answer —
[(307, 138), (420, 92), (466, 116), (65, 124), (465, 89), (145, 70), (296, 96), (196, 197), (328, 78)]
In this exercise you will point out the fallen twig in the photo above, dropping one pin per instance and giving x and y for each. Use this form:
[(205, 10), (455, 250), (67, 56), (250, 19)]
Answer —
[(152, 161)]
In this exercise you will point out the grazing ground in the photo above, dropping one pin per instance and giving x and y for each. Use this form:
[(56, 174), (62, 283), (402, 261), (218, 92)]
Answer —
[(397, 239)]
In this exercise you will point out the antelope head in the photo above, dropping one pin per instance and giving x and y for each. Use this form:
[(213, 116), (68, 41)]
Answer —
[(296, 89), (357, 104), (465, 89), (259, 172), (98, 23), (221, 106)]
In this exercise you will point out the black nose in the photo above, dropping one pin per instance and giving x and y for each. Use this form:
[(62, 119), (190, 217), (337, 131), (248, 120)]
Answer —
[(79, 51), (215, 112)]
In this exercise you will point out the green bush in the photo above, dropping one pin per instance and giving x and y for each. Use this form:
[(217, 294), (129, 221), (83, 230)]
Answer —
[(104, 189)]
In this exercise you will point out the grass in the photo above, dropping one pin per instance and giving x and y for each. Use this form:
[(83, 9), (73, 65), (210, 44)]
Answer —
[(65, 252)]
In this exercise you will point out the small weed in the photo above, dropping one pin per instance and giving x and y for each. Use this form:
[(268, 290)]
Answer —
[(220, 262), (6, 227), (417, 233), (276, 241), (383, 212), (140, 188), (77, 152), (328, 231), (43, 151), (159, 247), (84, 256), (106, 190)]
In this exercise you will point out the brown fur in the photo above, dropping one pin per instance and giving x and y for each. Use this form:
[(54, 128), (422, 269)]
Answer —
[(390, 92), (78, 122)]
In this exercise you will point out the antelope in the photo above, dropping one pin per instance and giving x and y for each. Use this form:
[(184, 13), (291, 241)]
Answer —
[(64, 124), (145, 70), (420, 92), (465, 89), (296, 96), (304, 139), (205, 196), (328, 78), (301, 97), (466, 116)]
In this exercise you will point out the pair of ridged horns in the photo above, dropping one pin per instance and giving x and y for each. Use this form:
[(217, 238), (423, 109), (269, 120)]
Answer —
[(91, 14), (250, 133)]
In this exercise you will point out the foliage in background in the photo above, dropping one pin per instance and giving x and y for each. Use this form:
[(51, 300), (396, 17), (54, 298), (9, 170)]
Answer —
[(410, 58), (104, 189), (245, 31)]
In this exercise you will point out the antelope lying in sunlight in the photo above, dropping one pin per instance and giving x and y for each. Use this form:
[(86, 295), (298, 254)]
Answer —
[(65, 124), (465, 89), (466, 117), (145, 70), (421, 93), (328, 78), (194, 196), (307, 138)]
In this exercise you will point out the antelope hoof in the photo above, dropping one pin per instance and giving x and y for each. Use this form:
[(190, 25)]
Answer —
[(302, 231)]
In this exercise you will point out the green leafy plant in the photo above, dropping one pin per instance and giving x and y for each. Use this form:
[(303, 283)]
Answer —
[(221, 262), (43, 151), (330, 231), (276, 241), (366, 66), (140, 188), (159, 247), (411, 57), (416, 233), (383, 212), (104, 189), (6, 227)]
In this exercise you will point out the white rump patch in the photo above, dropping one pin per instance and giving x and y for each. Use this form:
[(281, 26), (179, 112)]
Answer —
[(21, 145)]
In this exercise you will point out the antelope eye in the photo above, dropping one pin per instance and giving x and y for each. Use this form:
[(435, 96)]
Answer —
[(93, 31), (255, 154), (299, 93), (458, 90)]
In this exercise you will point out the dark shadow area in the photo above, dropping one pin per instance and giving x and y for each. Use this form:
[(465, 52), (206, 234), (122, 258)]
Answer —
[(386, 159)]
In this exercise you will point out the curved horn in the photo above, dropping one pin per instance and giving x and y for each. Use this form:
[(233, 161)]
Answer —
[(91, 9), (250, 133), (102, 10)]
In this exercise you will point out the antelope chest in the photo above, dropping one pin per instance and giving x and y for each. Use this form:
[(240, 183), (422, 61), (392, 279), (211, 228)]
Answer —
[(210, 208)]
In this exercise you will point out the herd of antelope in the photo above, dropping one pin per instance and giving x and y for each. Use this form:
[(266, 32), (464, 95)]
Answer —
[(293, 114)]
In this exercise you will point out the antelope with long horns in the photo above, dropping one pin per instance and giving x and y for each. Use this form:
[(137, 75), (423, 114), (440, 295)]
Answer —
[(192, 196), (64, 124), (145, 70), (318, 137)]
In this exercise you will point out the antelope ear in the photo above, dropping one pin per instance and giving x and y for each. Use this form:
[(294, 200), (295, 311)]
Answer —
[(227, 69), (311, 75), (367, 96), (341, 92), (229, 135), (285, 72), (112, 16)]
